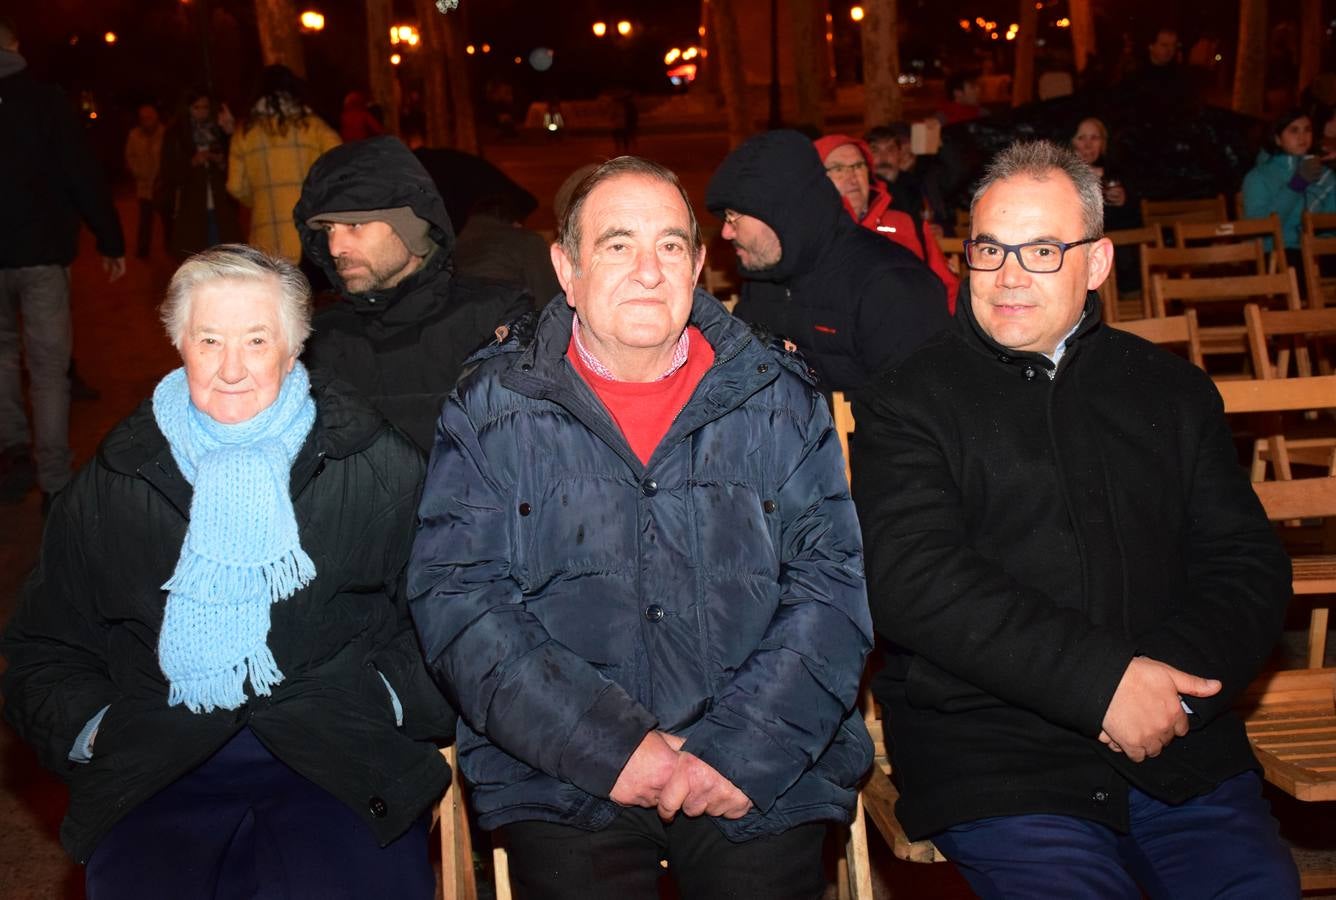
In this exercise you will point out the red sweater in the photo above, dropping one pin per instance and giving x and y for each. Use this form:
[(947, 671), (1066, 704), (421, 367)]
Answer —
[(645, 410)]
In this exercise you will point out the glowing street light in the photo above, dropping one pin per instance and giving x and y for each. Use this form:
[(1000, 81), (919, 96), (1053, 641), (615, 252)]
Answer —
[(486, 48), (624, 28), (109, 37), (395, 59), (404, 34), (856, 13), (671, 56), (470, 49), (312, 21), (690, 53), (600, 29)]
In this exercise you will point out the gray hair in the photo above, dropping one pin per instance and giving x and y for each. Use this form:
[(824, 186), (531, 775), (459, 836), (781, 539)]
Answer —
[(1039, 160), (568, 230), (241, 263)]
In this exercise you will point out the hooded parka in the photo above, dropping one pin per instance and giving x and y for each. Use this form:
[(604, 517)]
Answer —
[(86, 632), (570, 599), (851, 300), (1027, 537), (403, 347)]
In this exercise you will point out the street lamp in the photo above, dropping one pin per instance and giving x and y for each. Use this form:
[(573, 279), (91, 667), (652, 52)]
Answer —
[(109, 37), (395, 59), (312, 21), (624, 28), (600, 29), (856, 13)]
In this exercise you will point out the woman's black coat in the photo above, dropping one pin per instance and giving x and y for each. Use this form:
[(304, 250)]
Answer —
[(86, 631)]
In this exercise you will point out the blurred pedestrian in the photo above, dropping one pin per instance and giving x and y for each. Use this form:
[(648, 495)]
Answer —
[(194, 178), (49, 182), (358, 121), (271, 154), (143, 157)]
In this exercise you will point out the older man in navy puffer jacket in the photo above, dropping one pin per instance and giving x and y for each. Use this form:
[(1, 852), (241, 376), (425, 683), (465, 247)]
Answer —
[(639, 577)]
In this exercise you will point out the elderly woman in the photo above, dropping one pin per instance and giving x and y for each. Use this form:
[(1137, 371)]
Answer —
[(214, 649)]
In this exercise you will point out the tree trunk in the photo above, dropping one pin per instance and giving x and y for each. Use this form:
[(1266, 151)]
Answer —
[(708, 69), (1250, 68), (881, 64), (279, 41), (732, 81), (1311, 34), (808, 58), (1083, 32), (435, 92), (1022, 81), (379, 70), (458, 80)]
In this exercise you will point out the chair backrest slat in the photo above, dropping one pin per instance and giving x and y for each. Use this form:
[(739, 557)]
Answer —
[(1278, 395), (1301, 498)]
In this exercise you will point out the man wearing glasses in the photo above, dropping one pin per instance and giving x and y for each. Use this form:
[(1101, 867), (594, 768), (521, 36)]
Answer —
[(1074, 574), (851, 301)]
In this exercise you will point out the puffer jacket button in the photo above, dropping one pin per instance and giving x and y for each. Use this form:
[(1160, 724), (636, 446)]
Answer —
[(768, 506), (1099, 796), (377, 807), (654, 613), (1029, 373), (525, 509), (1003, 358), (649, 487), (762, 369)]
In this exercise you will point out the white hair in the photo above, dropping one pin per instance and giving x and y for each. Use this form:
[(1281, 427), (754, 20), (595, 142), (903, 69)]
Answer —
[(239, 262)]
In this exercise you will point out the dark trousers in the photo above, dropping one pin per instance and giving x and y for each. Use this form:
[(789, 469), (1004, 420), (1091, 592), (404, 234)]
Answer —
[(244, 825), (148, 211), (621, 862), (1224, 844)]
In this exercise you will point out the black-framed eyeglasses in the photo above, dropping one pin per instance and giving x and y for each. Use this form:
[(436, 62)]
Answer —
[(1037, 257)]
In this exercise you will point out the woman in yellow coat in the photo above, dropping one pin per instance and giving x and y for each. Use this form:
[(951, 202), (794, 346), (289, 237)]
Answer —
[(269, 158)]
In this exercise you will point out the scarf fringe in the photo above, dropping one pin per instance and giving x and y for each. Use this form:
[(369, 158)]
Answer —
[(225, 689), (202, 580)]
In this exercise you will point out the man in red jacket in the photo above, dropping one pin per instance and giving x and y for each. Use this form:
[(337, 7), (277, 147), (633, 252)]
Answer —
[(848, 163)]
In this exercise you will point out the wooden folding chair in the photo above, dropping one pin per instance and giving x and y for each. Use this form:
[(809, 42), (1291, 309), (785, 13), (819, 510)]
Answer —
[(1312, 250), (1218, 261), (1319, 224), (1169, 330), (1190, 234), (1290, 717), (1314, 575), (456, 879), (1224, 338), (1127, 240), (878, 796), (1164, 213)]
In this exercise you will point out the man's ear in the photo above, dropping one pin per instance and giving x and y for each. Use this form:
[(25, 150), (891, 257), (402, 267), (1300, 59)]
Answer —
[(1101, 263), (565, 269), (700, 263)]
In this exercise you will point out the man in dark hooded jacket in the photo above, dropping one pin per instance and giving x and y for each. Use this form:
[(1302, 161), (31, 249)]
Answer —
[(852, 301), (372, 218)]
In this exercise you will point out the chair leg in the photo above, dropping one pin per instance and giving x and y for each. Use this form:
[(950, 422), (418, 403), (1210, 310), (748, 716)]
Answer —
[(457, 879), (858, 884), (501, 871), (1317, 637)]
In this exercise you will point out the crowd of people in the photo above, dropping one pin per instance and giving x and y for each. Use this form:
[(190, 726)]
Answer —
[(600, 534)]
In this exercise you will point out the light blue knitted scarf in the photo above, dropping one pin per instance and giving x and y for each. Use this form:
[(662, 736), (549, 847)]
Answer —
[(241, 552)]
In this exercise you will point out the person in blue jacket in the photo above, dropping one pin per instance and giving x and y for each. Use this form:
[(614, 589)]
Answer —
[(1289, 180), (638, 576)]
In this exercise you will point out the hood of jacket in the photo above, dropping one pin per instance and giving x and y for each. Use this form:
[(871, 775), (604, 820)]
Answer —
[(778, 178), (377, 173)]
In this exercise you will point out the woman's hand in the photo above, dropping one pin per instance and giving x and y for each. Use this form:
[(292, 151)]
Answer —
[(1115, 194)]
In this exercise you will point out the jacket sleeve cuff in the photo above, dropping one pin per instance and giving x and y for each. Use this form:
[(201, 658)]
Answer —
[(603, 740), (82, 751), (748, 758)]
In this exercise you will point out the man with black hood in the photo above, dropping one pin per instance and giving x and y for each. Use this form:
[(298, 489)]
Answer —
[(852, 301), (372, 218)]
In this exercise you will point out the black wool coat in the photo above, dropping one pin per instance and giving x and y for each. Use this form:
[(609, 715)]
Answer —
[(86, 631), (1026, 537)]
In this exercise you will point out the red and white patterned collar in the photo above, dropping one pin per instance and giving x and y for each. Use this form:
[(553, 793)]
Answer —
[(592, 362)]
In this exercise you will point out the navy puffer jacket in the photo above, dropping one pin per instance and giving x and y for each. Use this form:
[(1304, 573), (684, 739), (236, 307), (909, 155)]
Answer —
[(570, 599)]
